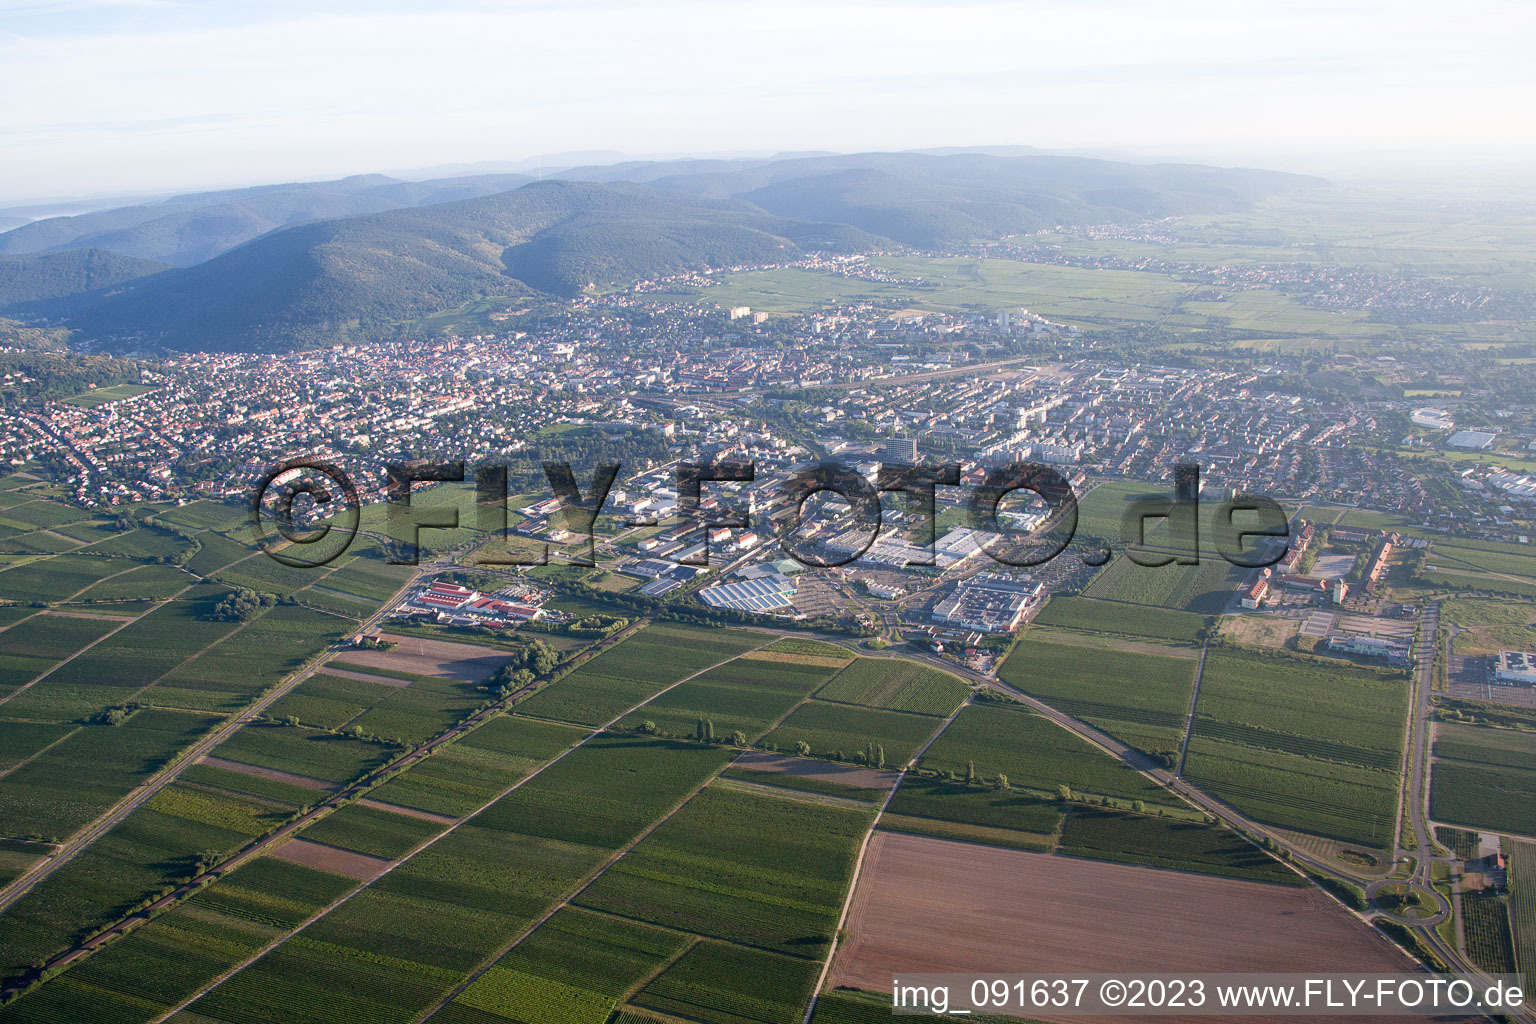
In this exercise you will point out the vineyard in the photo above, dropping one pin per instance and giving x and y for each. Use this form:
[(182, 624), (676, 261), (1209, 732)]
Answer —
[(1485, 925), (1166, 843), (897, 685), (758, 870), (1141, 699), (1522, 903), (1484, 777), (1116, 617), (1300, 743)]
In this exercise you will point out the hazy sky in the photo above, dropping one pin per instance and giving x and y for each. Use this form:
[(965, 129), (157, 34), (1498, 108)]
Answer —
[(134, 95)]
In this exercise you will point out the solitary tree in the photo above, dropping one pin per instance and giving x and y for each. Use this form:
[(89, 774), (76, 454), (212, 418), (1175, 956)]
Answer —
[(739, 738), (709, 730), (1064, 791), (970, 773), (880, 756), (1002, 781), (802, 748), (1139, 806)]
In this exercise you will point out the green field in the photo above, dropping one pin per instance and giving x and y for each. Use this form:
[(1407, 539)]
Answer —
[(405, 941), (473, 770), (1485, 778), (626, 674), (406, 715), (1020, 818), (1036, 755), (1204, 589), (30, 648), (732, 985), (90, 769), (1522, 904), (841, 731), (110, 393), (155, 846), (1116, 617), (374, 832), (756, 870), (897, 685), (1301, 743), (142, 976), (744, 695), (1139, 698), (1165, 843)]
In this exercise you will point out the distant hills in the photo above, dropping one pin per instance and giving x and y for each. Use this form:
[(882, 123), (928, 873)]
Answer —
[(186, 230), (290, 265)]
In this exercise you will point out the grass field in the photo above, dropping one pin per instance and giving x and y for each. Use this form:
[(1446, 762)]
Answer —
[(1300, 743), (1141, 699), (1484, 777), (897, 685), (110, 393)]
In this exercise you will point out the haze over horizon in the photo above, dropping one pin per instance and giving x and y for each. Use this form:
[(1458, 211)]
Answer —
[(141, 96)]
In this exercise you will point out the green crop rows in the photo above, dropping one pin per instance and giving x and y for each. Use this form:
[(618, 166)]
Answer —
[(1140, 699), (626, 674), (1119, 617), (897, 684), (1302, 743), (468, 773), (1522, 903), (840, 731), (1485, 777), (742, 695), (408, 939), (157, 965), (1035, 754), (1167, 843), (159, 843), (731, 985), (736, 865)]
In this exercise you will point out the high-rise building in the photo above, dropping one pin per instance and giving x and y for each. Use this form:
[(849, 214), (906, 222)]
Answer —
[(901, 450)]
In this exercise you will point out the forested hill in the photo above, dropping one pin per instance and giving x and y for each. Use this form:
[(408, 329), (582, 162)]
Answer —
[(355, 277)]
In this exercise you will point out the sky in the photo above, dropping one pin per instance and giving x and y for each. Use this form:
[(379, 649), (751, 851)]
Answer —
[(139, 96)]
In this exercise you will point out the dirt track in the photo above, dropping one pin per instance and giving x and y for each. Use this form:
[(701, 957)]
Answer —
[(781, 764), (931, 905), (467, 662), (330, 858)]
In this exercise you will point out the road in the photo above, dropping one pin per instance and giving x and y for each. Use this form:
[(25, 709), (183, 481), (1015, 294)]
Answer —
[(1189, 719)]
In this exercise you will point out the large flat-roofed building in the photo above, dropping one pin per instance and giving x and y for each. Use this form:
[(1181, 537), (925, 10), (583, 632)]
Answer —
[(1515, 668), (1391, 652), (989, 602)]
